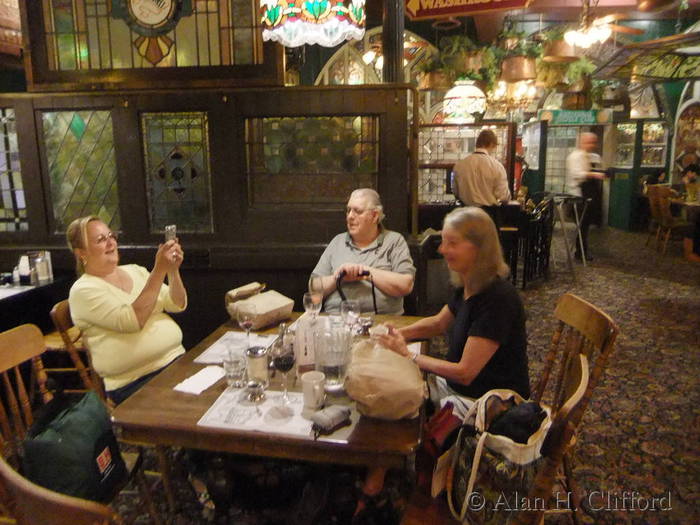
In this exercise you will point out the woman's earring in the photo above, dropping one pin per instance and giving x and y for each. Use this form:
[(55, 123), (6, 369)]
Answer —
[(83, 260)]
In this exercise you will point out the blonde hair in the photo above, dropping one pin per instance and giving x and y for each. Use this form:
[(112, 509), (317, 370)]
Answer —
[(373, 200), (475, 225), (76, 236)]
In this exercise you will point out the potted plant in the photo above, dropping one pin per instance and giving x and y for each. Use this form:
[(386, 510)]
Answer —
[(578, 74), (434, 75), (557, 49), (509, 38), (519, 63), (461, 54)]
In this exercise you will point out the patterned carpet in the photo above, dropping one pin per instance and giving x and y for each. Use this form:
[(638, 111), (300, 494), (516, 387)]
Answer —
[(640, 438)]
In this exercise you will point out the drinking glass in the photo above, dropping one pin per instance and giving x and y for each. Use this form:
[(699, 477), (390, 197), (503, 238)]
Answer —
[(283, 361), (235, 364), (350, 313), (312, 304), (246, 315)]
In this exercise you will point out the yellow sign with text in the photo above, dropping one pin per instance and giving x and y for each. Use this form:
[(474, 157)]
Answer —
[(422, 9)]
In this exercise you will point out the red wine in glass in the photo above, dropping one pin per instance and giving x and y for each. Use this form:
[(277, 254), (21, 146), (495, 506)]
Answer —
[(283, 363)]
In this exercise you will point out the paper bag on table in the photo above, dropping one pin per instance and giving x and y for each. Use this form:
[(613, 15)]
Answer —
[(271, 307), (383, 383)]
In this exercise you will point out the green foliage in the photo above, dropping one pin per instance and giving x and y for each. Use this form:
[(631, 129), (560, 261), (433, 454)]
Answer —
[(577, 70), (555, 32), (433, 64), (525, 48), (549, 74), (453, 45)]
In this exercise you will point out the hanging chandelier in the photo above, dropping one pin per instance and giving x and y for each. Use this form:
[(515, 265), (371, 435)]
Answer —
[(462, 102), (327, 23), (589, 32), (510, 96)]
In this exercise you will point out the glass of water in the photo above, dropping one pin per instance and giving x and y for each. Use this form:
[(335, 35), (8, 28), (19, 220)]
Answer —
[(235, 364)]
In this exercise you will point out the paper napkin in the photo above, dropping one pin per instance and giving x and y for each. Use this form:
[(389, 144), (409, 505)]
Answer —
[(199, 382)]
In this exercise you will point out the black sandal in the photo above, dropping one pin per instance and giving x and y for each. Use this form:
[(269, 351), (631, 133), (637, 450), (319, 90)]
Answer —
[(378, 510)]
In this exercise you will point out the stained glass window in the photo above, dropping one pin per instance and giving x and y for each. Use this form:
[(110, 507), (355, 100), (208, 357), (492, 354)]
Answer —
[(176, 153), (81, 165), (287, 156), (105, 34), (13, 210)]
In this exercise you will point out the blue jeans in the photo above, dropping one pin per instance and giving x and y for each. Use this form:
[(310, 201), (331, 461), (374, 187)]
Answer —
[(118, 395)]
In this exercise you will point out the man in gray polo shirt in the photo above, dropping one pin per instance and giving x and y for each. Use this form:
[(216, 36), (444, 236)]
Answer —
[(366, 250)]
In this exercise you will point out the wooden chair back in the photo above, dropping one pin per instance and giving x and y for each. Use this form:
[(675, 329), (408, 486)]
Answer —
[(20, 345), (663, 197), (653, 196), (62, 320), (582, 329), (31, 504)]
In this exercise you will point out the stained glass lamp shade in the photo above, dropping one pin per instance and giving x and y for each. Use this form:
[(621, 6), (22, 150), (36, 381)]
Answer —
[(462, 102), (328, 23)]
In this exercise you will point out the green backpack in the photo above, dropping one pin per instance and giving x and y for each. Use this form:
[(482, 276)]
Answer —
[(71, 449)]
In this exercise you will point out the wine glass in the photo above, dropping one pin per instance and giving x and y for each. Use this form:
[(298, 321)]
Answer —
[(350, 313), (312, 304), (245, 315), (283, 361)]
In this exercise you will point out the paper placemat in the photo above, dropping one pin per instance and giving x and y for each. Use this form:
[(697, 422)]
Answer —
[(215, 353), (233, 410)]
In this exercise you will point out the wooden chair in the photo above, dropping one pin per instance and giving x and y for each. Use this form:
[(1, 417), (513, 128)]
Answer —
[(579, 351), (655, 219), (62, 320), (668, 224), (69, 340), (21, 347), (31, 504)]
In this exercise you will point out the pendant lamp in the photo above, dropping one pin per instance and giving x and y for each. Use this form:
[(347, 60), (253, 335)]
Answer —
[(462, 102), (327, 23)]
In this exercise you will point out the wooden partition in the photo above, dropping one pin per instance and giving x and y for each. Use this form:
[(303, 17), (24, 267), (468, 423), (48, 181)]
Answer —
[(263, 235)]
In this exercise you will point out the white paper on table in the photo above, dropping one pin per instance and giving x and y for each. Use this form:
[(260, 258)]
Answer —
[(199, 382), (232, 410), (304, 345), (414, 348), (216, 352)]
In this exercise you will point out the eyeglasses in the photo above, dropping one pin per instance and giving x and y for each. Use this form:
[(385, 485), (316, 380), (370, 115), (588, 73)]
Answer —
[(102, 238), (355, 211)]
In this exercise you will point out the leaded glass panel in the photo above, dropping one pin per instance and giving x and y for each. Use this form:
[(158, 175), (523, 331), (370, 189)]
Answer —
[(81, 165), (176, 155), (334, 155), (13, 209), (105, 34)]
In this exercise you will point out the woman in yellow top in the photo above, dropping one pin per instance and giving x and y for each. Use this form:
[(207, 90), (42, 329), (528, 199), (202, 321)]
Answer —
[(121, 309)]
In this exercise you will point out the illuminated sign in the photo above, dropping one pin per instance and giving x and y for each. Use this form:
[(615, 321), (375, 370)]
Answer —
[(421, 9)]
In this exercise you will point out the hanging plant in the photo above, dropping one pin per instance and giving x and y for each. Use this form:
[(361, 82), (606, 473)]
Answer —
[(434, 75), (556, 48), (549, 74), (576, 71)]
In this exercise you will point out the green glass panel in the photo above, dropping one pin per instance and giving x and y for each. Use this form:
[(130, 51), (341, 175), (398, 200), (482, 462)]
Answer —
[(177, 163), (80, 155), (63, 17), (286, 156), (66, 52), (77, 126)]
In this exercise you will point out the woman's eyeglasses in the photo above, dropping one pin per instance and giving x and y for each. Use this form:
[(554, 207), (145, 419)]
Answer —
[(102, 238)]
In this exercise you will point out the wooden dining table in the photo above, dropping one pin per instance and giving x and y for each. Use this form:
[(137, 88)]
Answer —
[(159, 415)]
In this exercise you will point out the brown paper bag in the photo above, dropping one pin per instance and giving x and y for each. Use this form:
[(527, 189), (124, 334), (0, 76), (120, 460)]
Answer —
[(384, 384)]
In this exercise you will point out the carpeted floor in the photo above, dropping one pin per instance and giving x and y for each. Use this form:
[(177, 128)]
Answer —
[(640, 438)]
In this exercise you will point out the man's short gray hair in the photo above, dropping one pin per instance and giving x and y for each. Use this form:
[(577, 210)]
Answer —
[(372, 199)]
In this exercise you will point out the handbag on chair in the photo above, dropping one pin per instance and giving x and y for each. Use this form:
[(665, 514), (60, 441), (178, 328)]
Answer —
[(495, 457)]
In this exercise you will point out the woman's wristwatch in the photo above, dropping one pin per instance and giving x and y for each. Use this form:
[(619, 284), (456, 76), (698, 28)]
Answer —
[(413, 355)]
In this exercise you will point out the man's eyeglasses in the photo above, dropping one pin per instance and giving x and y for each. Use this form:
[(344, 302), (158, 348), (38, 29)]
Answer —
[(355, 211), (102, 238)]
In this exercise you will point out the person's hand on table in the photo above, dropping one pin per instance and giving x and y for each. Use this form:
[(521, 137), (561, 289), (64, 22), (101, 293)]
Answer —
[(353, 272), (394, 341)]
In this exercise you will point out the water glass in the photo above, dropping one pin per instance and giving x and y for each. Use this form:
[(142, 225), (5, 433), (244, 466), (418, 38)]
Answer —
[(350, 312), (312, 304), (235, 365)]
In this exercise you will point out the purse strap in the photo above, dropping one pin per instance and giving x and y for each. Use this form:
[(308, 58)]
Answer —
[(339, 287), (472, 477)]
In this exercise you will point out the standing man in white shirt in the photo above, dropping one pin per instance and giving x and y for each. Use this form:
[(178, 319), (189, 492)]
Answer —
[(582, 181), (480, 179)]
